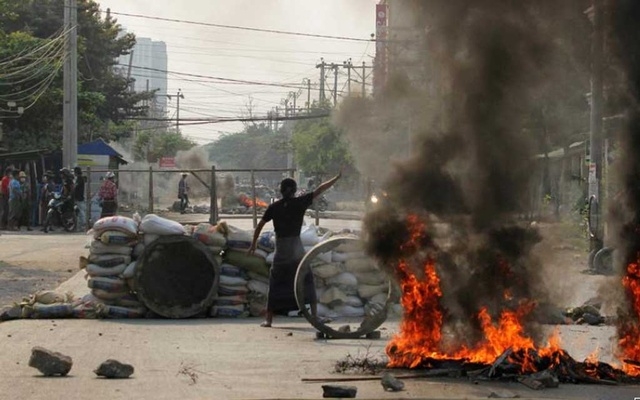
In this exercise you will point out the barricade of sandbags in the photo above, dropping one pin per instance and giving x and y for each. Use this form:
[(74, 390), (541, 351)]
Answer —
[(110, 268)]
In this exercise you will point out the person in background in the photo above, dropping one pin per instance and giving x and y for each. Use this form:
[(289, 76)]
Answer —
[(25, 201), (108, 196), (4, 198), (183, 193), (47, 187), (78, 197), (15, 201), (287, 215)]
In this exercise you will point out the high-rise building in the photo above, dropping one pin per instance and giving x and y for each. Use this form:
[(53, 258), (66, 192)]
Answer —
[(149, 65)]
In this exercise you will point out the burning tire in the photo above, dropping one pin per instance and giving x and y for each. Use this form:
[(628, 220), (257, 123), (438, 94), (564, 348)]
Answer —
[(345, 257)]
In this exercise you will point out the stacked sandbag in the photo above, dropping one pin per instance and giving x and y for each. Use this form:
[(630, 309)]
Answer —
[(348, 283), (232, 300), (212, 236), (110, 269)]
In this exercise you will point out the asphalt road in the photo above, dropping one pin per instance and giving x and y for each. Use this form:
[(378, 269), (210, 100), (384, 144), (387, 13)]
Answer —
[(226, 358)]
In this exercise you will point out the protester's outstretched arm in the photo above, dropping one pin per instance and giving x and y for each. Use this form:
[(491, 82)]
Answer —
[(326, 185), (256, 235)]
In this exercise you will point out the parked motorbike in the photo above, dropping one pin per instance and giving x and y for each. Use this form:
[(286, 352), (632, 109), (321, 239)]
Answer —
[(61, 213)]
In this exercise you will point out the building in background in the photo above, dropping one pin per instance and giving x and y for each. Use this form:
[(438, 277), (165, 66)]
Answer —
[(149, 63)]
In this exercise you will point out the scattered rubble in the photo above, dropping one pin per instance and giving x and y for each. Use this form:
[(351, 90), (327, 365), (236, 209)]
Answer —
[(335, 391), (391, 383), (113, 369), (50, 363)]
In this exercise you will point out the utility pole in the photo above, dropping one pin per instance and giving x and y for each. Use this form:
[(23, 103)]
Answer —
[(364, 79), (335, 84), (179, 96), (596, 134), (70, 82), (308, 95), (321, 66), (348, 66)]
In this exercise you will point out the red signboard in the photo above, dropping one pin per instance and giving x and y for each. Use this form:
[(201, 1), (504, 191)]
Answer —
[(167, 162)]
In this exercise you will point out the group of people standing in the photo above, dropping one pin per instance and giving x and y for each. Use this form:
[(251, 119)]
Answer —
[(15, 201), (16, 206)]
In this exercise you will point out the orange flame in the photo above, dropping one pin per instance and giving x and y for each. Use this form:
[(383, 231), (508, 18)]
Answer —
[(629, 333), (248, 202), (421, 339)]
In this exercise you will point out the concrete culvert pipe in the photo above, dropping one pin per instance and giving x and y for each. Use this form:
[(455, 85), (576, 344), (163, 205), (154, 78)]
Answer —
[(177, 277), (349, 285)]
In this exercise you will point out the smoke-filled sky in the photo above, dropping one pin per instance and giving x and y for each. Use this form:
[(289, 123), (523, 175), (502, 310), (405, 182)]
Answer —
[(246, 55)]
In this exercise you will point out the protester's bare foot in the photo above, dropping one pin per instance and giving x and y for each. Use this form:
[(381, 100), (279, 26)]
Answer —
[(266, 324)]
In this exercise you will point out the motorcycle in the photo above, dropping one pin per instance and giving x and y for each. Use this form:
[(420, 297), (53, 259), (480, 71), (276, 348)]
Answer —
[(61, 213)]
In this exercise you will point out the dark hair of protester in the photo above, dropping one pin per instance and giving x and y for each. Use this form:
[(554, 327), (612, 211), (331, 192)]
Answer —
[(288, 188)]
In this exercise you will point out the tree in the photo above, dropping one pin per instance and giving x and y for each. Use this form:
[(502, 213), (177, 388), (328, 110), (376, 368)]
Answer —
[(319, 147), (255, 147), (150, 146), (104, 99)]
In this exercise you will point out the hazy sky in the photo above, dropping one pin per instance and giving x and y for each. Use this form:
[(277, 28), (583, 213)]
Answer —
[(246, 55)]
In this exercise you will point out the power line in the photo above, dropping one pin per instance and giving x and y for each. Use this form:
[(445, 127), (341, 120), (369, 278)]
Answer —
[(222, 80), (245, 28), (203, 121)]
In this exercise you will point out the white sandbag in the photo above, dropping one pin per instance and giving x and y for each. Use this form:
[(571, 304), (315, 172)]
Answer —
[(130, 301), (228, 311), (130, 270), (154, 224), (230, 270), (371, 278), (333, 296), (232, 280), (109, 284), (324, 271), (261, 253), (138, 250), (360, 265), (149, 238), (324, 311), (270, 258), (108, 296), (117, 238), (226, 290), (209, 235), (239, 239), (309, 235), (337, 256), (323, 257), (96, 270), (231, 300), (97, 247), (256, 286), (108, 311), (116, 223), (50, 297), (343, 279), (267, 241), (257, 277), (108, 260), (368, 291), (380, 298), (350, 246), (348, 311), (354, 301)]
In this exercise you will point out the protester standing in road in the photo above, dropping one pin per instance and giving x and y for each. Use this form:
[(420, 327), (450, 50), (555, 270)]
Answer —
[(287, 215), (15, 201), (4, 197), (108, 196), (78, 197), (183, 193)]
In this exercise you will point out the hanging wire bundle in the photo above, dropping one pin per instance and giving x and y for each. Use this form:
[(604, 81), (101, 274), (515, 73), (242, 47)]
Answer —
[(26, 76)]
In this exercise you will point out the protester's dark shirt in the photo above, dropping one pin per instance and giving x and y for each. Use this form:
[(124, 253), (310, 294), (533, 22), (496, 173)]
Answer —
[(288, 215), (78, 190)]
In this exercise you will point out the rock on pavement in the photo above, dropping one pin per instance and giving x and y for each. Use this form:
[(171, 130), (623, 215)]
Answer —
[(114, 369), (50, 363)]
